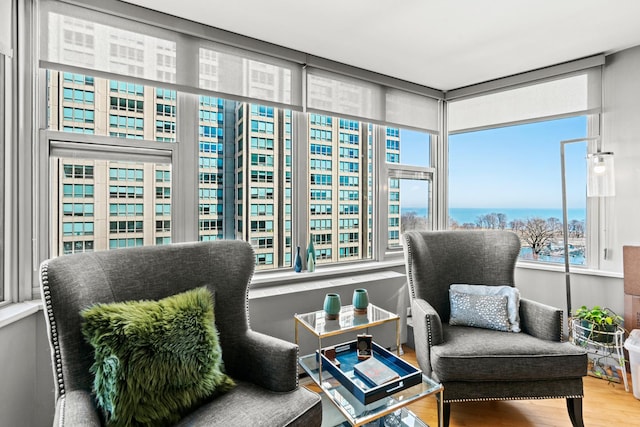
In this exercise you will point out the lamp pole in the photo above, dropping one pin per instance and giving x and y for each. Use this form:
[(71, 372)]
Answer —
[(565, 225)]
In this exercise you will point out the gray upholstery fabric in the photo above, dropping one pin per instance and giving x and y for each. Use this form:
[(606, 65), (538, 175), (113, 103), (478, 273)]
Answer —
[(474, 354), (250, 405), (74, 282), (541, 320), (482, 364)]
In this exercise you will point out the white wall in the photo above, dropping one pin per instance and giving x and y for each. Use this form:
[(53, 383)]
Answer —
[(621, 134), (26, 379)]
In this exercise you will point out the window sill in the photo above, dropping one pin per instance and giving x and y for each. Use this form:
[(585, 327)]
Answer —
[(17, 311), (573, 269), (289, 282)]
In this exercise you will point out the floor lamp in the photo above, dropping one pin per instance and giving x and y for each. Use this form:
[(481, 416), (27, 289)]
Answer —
[(600, 183)]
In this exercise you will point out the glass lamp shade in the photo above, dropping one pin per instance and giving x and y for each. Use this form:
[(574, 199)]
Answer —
[(600, 175)]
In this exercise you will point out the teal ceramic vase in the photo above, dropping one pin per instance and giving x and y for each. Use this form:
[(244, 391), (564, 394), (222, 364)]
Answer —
[(311, 264), (360, 301), (332, 306), (297, 263), (311, 257)]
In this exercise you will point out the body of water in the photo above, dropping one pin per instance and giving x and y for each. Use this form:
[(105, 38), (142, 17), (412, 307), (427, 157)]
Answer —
[(554, 254), (464, 215)]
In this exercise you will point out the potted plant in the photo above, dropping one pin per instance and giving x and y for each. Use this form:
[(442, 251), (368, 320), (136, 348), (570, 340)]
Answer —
[(596, 324)]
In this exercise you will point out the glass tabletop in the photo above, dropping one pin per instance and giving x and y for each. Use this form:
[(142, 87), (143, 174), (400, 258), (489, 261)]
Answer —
[(356, 412), (316, 322)]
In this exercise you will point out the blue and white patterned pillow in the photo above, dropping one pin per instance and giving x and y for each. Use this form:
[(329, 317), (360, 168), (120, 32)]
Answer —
[(512, 294), (480, 311)]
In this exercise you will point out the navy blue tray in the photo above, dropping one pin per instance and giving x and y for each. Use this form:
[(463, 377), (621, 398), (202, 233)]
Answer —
[(347, 356)]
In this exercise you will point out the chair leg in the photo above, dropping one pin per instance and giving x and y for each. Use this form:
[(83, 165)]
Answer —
[(574, 406), (446, 413)]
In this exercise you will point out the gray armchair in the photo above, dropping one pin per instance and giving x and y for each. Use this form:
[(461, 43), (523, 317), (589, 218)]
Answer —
[(264, 368), (477, 364)]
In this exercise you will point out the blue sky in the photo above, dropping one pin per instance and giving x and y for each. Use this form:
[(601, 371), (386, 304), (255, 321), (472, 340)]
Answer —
[(508, 167)]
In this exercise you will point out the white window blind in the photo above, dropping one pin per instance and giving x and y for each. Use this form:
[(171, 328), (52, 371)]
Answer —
[(93, 41), (239, 73), (411, 110), (120, 47), (337, 94), (578, 93)]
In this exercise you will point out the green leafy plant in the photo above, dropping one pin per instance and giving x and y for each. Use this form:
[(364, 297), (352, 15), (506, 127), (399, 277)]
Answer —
[(596, 324), (599, 316)]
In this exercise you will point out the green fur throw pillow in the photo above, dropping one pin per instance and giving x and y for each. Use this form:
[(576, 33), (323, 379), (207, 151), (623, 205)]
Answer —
[(154, 360)]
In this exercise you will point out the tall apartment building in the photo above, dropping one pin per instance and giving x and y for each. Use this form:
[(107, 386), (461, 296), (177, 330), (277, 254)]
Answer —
[(245, 174), (103, 203)]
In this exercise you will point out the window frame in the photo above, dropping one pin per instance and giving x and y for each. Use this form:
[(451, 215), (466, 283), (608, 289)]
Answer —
[(182, 157), (593, 207), (5, 291)]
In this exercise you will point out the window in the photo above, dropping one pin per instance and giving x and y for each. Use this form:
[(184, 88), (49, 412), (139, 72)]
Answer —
[(122, 185), (92, 214), (496, 182), (340, 182), (409, 186)]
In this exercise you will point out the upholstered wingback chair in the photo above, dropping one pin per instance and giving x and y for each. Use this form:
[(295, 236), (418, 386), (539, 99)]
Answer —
[(484, 364), (264, 368)]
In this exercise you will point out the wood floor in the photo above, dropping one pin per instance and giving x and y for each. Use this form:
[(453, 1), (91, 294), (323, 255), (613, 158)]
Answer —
[(604, 405)]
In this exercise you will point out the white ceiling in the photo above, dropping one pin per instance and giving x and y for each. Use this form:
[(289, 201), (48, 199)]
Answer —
[(444, 44)]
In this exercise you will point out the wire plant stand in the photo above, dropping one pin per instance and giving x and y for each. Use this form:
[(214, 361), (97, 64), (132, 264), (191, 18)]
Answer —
[(601, 346)]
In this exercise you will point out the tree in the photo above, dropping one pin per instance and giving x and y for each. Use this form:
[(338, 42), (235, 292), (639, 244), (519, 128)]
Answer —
[(576, 228), (411, 221), (517, 225), (502, 221), (538, 233), (555, 224), (490, 220)]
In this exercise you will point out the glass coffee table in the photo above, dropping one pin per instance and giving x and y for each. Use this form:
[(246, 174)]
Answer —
[(344, 407), (340, 406)]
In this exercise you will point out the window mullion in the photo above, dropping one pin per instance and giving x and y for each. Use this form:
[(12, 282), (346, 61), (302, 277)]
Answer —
[(381, 195), (184, 171), (300, 182)]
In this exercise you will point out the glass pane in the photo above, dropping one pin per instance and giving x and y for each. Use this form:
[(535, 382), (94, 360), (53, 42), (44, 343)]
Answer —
[(245, 182), (510, 178), (101, 205), (407, 147), (340, 172), (415, 148), (78, 103), (409, 201)]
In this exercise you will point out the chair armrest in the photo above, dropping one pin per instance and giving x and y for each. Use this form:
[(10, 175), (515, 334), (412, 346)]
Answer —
[(76, 408), (267, 361), (541, 320), (427, 331)]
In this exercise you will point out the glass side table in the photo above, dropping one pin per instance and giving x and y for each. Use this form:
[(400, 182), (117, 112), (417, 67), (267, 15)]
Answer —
[(316, 323), (357, 413), (350, 409)]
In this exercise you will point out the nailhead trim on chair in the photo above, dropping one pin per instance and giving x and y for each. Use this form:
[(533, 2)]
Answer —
[(409, 269), (52, 330), (488, 399)]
